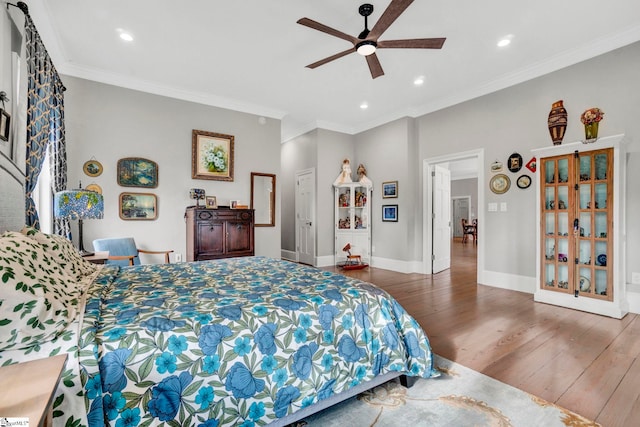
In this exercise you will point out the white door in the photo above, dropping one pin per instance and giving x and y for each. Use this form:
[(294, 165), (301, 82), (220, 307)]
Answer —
[(305, 216), (460, 211), (441, 219)]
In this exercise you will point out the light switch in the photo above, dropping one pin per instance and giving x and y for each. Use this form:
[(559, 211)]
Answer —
[(503, 206), (492, 207)]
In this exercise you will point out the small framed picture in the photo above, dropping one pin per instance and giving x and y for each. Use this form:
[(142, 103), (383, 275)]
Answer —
[(5, 124), (211, 202), (92, 168), (233, 204), (390, 213), (138, 206), (390, 189)]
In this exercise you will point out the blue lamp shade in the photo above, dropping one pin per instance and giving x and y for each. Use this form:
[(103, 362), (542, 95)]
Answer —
[(78, 204)]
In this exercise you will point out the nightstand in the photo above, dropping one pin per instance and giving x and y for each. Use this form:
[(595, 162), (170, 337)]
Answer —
[(98, 257), (27, 389)]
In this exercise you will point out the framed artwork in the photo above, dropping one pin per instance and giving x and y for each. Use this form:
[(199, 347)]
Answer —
[(138, 206), (211, 202), (500, 183), (233, 204), (5, 125), (137, 172), (390, 213), (523, 181), (531, 165), (496, 166), (515, 162), (92, 168), (390, 189), (211, 156)]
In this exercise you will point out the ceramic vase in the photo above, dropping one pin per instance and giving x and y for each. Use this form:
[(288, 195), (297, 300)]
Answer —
[(557, 122)]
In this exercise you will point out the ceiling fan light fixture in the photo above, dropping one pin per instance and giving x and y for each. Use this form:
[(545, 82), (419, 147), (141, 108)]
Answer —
[(366, 47)]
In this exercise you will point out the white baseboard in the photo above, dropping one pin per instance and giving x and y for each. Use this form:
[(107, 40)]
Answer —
[(289, 255), (324, 261), (397, 265), (512, 282)]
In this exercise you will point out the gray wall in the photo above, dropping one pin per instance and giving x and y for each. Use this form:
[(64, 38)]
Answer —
[(108, 123), (515, 120)]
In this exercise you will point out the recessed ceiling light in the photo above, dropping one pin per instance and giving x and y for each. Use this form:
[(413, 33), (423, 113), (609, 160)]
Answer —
[(126, 37), (364, 105), (505, 41), (419, 81)]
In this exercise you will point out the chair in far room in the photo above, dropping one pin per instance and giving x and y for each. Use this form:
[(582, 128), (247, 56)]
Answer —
[(469, 229), (124, 252)]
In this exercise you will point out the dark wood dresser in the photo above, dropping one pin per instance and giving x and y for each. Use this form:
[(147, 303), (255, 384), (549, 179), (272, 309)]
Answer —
[(219, 233)]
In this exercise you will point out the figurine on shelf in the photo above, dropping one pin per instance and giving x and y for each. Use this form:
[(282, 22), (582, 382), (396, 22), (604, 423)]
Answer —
[(362, 176), (358, 222), (345, 175), (361, 199), (343, 200), (561, 204)]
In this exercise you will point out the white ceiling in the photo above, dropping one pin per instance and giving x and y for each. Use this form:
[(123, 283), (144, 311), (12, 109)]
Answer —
[(250, 55)]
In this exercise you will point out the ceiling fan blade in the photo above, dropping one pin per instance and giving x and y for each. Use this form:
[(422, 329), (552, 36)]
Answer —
[(391, 13), (321, 27), (374, 65), (331, 58), (435, 43)]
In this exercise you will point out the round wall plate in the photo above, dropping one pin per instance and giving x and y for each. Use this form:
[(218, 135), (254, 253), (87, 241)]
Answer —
[(500, 183), (94, 187), (523, 181), (92, 168)]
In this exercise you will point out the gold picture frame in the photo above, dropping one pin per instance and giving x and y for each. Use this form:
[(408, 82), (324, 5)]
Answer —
[(138, 206), (212, 156), (92, 168)]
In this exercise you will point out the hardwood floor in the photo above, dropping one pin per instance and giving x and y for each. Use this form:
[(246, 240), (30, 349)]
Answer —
[(584, 362)]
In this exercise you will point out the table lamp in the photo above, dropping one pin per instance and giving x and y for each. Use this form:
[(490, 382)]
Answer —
[(79, 204)]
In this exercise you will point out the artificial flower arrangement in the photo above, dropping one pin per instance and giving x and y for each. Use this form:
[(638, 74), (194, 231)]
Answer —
[(592, 115)]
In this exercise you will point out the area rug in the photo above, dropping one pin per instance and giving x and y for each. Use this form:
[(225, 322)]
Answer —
[(459, 397)]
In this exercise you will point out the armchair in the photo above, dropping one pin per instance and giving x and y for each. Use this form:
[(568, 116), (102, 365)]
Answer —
[(123, 251)]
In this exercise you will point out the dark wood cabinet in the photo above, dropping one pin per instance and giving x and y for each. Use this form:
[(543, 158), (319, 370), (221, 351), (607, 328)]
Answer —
[(219, 233)]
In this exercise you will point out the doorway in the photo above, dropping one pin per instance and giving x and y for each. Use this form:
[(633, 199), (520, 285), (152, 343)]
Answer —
[(429, 236), (460, 209), (305, 216)]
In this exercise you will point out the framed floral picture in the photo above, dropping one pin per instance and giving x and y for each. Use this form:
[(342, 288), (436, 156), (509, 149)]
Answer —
[(211, 156)]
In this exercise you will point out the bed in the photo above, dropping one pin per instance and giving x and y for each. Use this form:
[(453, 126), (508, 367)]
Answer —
[(241, 341)]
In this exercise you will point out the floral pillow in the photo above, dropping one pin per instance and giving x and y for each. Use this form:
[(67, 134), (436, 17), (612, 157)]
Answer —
[(37, 298), (63, 251)]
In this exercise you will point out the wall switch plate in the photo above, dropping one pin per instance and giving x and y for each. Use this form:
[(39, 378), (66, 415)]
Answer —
[(503, 206), (373, 249), (178, 257), (492, 207), (635, 278)]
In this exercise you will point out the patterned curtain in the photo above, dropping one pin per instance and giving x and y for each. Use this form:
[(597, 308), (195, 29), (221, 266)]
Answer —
[(45, 112), (58, 157)]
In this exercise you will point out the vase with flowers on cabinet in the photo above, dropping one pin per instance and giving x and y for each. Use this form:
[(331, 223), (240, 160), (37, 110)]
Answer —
[(591, 119)]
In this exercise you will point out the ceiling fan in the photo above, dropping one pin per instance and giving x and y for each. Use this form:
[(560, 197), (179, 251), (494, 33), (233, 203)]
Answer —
[(367, 41)]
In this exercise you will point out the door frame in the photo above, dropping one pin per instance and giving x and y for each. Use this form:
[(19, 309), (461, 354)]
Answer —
[(312, 172), (427, 207)]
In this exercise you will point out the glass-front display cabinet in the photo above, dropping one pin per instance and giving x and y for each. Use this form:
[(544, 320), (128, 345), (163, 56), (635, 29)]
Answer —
[(578, 208), (352, 222)]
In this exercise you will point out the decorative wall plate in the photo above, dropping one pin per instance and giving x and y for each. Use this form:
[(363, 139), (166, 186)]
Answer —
[(500, 183), (515, 162), (92, 167), (524, 181), (94, 187)]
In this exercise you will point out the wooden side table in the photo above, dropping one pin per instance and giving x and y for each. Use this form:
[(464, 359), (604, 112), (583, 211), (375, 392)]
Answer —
[(27, 389), (98, 257)]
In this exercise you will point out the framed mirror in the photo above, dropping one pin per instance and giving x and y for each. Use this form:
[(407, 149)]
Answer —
[(263, 199)]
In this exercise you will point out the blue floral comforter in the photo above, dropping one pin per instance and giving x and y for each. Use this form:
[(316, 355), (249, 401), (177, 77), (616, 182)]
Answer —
[(242, 341)]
